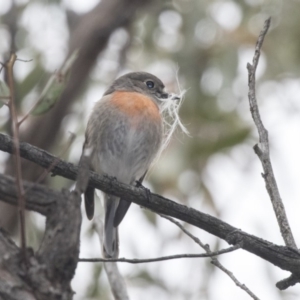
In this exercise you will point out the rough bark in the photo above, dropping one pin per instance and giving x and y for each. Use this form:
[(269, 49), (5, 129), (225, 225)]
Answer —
[(47, 274)]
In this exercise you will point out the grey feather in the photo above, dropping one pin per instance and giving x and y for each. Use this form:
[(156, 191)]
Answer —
[(111, 236)]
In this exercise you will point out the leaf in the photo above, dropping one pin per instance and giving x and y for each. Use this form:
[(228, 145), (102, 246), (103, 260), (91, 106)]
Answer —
[(54, 88), (35, 76), (4, 92), (4, 89), (50, 94)]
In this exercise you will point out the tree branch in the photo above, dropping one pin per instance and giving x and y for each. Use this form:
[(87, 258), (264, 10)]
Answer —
[(285, 258), (47, 274), (214, 260), (162, 258), (263, 152), (17, 160), (262, 149)]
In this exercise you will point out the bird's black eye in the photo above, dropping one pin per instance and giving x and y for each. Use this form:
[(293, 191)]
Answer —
[(150, 84)]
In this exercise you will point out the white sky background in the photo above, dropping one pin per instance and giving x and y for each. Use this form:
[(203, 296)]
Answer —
[(234, 178)]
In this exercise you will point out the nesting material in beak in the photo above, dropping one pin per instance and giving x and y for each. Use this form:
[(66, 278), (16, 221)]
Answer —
[(175, 97), (170, 112)]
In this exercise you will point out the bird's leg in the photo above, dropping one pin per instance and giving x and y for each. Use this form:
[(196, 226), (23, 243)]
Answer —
[(138, 184)]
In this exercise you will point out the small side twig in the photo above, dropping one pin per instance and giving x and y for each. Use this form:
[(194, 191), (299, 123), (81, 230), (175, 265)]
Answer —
[(262, 149), (162, 258), (17, 158), (214, 261), (24, 60), (287, 282)]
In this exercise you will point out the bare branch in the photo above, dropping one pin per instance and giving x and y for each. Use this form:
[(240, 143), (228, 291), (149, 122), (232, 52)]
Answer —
[(162, 258), (263, 152), (48, 170), (262, 149), (21, 206), (214, 261), (287, 282), (43, 199), (39, 198), (285, 258), (24, 60), (233, 278)]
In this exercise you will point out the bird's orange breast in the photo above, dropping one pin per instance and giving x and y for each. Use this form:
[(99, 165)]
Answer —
[(135, 104)]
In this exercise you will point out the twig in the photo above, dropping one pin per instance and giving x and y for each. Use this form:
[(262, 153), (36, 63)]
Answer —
[(162, 258), (214, 261), (15, 130), (233, 278), (24, 60), (195, 239), (262, 149), (287, 282)]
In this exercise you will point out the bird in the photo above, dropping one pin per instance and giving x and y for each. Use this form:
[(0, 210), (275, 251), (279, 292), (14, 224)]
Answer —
[(123, 136)]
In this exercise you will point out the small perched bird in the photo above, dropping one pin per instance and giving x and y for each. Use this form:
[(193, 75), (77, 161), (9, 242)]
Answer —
[(123, 136)]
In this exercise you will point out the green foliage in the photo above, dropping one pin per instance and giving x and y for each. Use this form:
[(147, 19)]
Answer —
[(4, 92), (50, 94), (31, 80), (54, 88)]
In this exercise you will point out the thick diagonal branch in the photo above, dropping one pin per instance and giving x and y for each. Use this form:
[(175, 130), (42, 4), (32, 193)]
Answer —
[(285, 258)]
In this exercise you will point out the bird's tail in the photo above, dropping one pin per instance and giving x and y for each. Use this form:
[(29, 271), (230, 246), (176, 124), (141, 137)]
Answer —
[(111, 235)]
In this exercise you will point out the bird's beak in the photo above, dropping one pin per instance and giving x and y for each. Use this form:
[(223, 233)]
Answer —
[(175, 97), (170, 96)]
